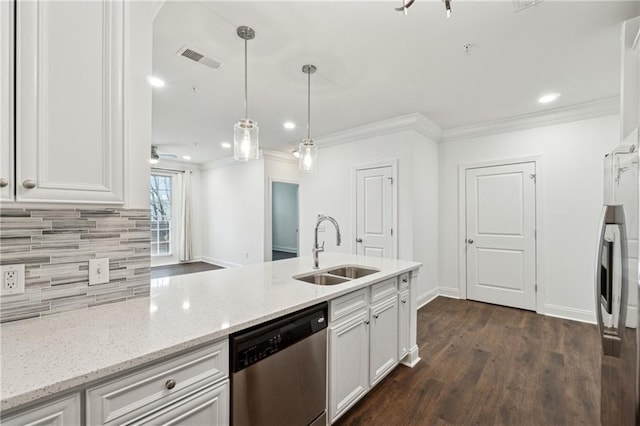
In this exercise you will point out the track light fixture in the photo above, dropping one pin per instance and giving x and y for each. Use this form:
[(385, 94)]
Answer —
[(407, 4)]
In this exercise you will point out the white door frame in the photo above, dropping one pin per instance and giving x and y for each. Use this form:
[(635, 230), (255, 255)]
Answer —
[(268, 226), (462, 225), (393, 163)]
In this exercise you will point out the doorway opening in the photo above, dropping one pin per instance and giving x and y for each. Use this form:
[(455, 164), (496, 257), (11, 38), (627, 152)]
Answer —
[(284, 220)]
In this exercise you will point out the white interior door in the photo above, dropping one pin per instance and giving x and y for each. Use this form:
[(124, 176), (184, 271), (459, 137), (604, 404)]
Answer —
[(500, 209), (374, 212)]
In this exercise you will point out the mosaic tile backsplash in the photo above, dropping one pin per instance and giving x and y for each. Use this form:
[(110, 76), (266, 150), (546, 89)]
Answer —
[(56, 245)]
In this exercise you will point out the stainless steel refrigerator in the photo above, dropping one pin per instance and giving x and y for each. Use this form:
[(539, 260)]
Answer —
[(617, 284)]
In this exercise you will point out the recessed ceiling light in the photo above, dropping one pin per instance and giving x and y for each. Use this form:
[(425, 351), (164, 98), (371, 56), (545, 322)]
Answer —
[(550, 97), (155, 81), (289, 125), (225, 145), (186, 157)]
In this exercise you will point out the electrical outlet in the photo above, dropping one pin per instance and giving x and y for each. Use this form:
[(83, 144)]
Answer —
[(12, 279), (98, 271)]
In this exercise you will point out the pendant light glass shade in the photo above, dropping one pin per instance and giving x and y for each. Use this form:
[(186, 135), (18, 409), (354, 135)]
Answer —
[(245, 140), (245, 132), (308, 159)]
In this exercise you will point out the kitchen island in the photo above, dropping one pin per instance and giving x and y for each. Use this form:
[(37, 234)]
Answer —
[(52, 355)]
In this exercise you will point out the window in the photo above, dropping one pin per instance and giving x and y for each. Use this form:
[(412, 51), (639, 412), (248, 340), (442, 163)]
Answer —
[(161, 218)]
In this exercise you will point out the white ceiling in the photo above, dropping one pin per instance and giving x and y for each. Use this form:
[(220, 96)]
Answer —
[(373, 64)]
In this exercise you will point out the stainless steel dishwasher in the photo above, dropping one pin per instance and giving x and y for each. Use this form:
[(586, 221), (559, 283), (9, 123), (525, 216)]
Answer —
[(279, 371)]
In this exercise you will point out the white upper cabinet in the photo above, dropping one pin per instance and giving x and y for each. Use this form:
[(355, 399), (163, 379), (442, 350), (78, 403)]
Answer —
[(69, 102), (630, 77), (6, 101)]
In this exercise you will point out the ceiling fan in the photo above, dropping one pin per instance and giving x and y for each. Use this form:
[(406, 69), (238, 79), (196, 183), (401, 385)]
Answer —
[(156, 155)]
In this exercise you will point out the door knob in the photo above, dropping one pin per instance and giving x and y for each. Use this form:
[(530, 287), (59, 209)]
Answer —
[(3, 182), (470, 241), (29, 184), (358, 240)]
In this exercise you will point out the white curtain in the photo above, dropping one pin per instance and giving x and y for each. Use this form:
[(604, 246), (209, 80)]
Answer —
[(186, 250)]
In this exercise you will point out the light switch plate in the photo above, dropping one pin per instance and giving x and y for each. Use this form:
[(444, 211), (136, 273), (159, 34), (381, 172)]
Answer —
[(12, 279), (98, 271)]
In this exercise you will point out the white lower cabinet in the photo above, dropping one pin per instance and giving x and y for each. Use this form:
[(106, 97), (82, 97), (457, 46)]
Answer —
[(364, 330), (404, 317), (209, 407), (60, 412), (384, 339), (161, 389), (348, 362)]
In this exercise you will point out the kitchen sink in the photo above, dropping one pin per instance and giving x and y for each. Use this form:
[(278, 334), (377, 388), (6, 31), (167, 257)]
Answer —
[(322, 279), (339, 275), (352, 272)]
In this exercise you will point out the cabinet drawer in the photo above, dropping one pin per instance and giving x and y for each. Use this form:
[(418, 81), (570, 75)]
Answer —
[(403, 281), (61, 412), (384, 289), (126, 398), (209, 406), (345, 305)]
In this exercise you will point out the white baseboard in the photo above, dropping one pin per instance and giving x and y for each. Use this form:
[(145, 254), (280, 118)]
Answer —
[(220, 262), (427, 297), (564, 312), (452, 292), (285, 249)]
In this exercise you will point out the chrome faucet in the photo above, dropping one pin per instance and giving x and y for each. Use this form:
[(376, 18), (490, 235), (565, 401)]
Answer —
[(316, 249)]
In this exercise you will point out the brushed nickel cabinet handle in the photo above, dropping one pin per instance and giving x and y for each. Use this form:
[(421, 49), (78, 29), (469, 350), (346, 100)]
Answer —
[(404, 301), (470, 241), (366, 322), (29, 184), (170, 384), (358, 240), (3, 182), (376, 316)]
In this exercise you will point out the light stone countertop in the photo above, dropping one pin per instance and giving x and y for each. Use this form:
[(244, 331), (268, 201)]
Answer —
[(52, 354)]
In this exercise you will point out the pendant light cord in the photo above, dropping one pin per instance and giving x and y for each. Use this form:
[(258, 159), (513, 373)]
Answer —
[(246, 77), (308, 107)]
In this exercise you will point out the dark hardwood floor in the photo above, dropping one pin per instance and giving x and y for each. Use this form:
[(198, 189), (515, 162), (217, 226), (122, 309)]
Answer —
[(279, 255), (181, 269), (490, 365)]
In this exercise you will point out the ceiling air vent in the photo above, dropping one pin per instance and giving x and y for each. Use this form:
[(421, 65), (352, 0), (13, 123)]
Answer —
[(199, 58)]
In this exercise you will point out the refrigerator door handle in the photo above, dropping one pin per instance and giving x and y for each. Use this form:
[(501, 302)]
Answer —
[(612, 336)]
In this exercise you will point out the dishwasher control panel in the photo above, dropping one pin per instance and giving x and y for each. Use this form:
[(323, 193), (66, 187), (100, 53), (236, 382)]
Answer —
[(259, 342)]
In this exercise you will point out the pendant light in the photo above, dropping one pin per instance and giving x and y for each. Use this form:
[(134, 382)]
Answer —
[(308, 159), (245, 131)]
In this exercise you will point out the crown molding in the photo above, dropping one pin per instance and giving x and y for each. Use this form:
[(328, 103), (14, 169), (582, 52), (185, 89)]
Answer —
[(416, 122), (285, 157), (599, 108)]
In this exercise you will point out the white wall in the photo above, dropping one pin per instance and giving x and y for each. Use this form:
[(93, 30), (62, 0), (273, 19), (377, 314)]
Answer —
[(329, 191), (233, 213), (284, 218), (571, 180)]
